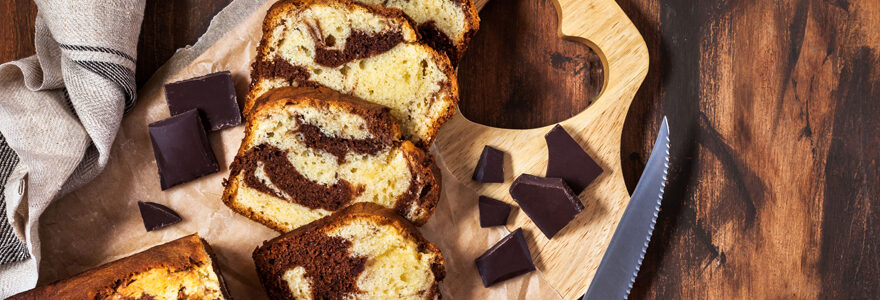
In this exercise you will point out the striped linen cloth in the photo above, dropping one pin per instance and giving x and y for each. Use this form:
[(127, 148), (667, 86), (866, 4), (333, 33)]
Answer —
[(60, 110), (12, 249)]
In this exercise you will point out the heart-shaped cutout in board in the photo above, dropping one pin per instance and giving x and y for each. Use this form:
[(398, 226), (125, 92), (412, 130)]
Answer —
[(569, 261), (518, 72)]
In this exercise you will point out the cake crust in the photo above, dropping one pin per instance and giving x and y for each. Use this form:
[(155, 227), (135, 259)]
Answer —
[(100, 282), (266, 256), (417, 203)]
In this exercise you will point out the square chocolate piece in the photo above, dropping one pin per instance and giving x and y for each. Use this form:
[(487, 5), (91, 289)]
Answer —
[(569, 161), (182, 150), (213, 95), (490, 167), (549, 202), (507, 259), (493, 212)]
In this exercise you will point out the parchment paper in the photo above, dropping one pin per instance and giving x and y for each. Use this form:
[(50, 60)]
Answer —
[(100, 222)]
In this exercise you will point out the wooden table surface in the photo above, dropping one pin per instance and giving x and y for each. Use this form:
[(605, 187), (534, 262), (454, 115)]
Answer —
[(774, 109)]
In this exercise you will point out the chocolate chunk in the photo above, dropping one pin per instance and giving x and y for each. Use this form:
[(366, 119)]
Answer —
[(490, 166), (549, 202), (493, 212), (508, 258), (213, 95), (156, 215), (567, 160), (182, 149)]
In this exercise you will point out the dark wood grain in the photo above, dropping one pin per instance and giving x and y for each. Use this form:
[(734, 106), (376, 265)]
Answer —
[(168, 26), (17, 29), (773, 107), (518, 73), (774, 111)]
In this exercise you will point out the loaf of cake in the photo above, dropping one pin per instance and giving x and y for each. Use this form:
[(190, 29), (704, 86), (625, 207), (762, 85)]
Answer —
[(362, 252), (180, 269), (446, 25), (308, 152), (366, 51)]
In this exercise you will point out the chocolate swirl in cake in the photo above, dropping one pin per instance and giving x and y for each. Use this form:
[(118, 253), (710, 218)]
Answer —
[(438, 40), (313, 138), (287, 179), (300, 189), (361, 251), (367, 51), (359, 45), (306, 192), (311, 151), (332, 272), (280, 68)]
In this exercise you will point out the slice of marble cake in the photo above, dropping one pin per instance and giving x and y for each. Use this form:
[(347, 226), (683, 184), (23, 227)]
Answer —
[(366, 51), (308, 152), (362, 252)]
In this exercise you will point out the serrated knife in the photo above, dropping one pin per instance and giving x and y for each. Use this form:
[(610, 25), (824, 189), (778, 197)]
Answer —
[(619, 266)]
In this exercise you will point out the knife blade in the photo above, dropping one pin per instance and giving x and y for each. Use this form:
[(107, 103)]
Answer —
[(619, 266)]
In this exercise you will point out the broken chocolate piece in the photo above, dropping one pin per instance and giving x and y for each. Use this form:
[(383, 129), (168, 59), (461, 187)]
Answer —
[(549, 202), (507, 259), (213, 95), (156, 215), (182, 149), (490, 166), (567, 160), (493, 212)]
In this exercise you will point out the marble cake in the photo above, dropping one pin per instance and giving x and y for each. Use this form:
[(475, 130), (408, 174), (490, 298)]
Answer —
[(362, 252), (366, 51), (308, 152), (180, 269)]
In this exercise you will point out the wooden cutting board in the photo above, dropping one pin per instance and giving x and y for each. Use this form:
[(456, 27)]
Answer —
[(569, 261)]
